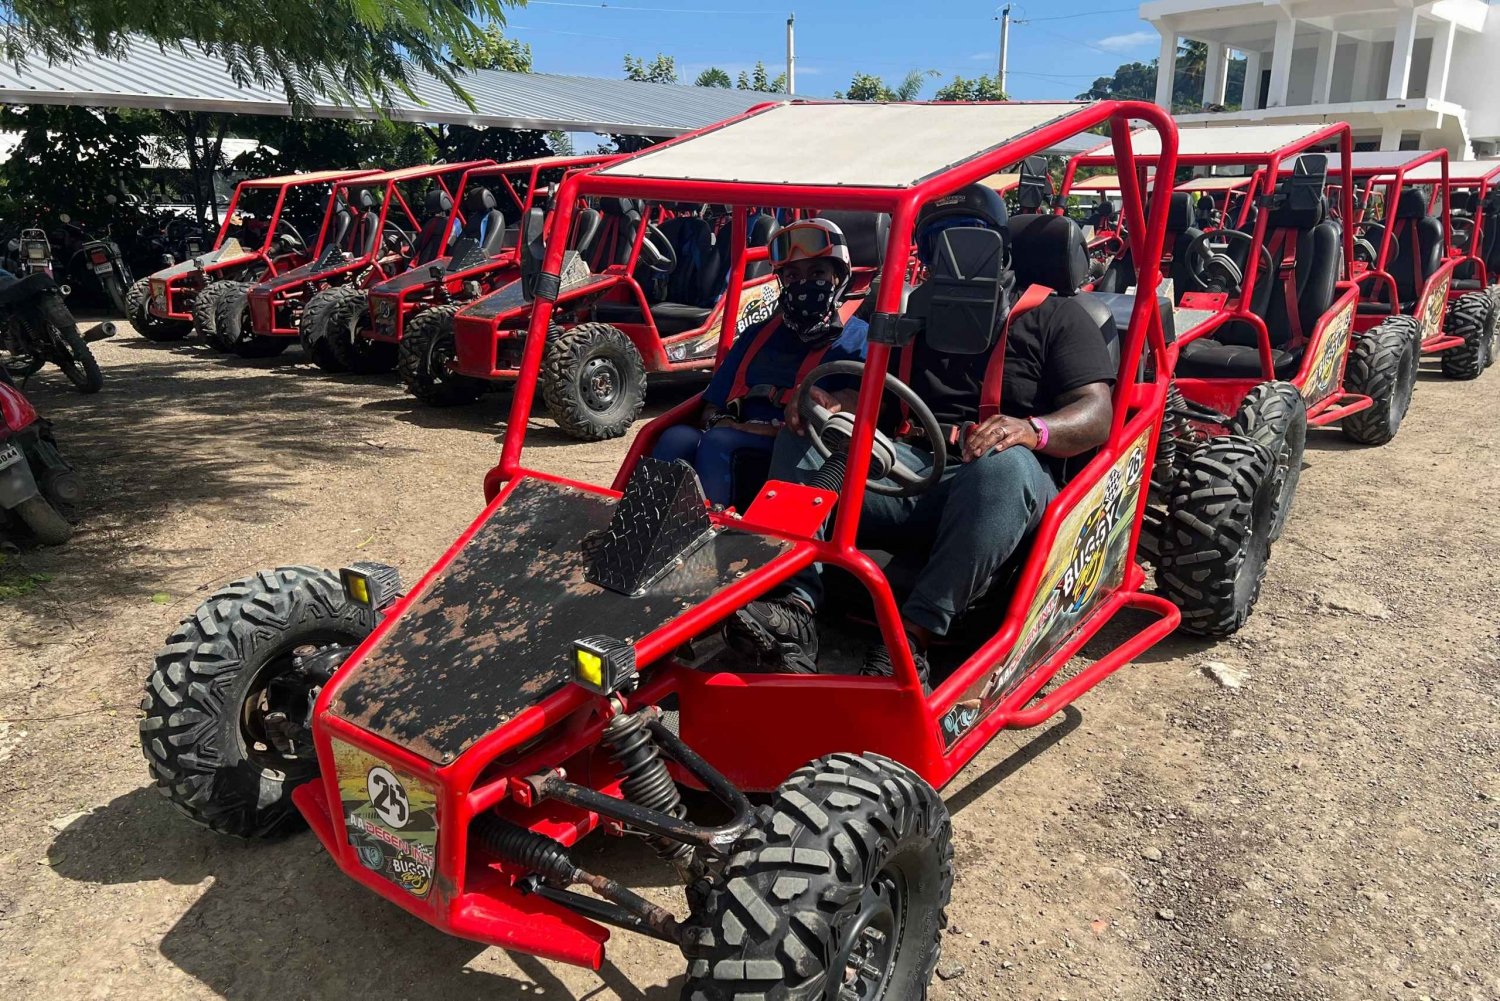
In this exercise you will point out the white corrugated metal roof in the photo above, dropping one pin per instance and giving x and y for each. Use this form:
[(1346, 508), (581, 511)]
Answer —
[(855, 145), (190, 80)]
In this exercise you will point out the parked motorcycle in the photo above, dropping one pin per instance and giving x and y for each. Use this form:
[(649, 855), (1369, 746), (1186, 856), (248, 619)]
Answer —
[(36, 327), (90, 264), (36, 483), (29, 252)]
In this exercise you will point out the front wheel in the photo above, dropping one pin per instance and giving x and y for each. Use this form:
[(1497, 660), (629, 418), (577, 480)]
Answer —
[(1473, 318), (839, 891), (231, 316), (1275, 415), (423, 356), (206, 705), (1382, 366), (115, 292), (593, 381), (44, 521), (69, 350)]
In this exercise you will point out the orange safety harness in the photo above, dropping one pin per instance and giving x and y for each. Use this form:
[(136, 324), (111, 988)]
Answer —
[(779, 396)]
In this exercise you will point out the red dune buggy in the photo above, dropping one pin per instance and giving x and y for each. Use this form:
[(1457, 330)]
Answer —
[(261, 236), (368, 234), (558, 670), (479, 258), (637, 296), (1472, 209)]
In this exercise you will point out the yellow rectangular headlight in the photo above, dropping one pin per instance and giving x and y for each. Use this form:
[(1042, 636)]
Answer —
[(603, 664)]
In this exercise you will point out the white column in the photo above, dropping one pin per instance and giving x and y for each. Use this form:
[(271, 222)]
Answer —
[(1251, 92), (1406, 34), (1441, 61), (1166, 67), (1390, 137), (1215, 73), (1328, 48), (1364, 65), (1281, 62)]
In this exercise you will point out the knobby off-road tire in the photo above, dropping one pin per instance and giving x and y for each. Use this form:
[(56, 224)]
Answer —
[(313, 329), (847, 836), (1473, 318), (1494, 347), (241, 337), (346, 328), (593, 381), (425, 349), (1382, 366), (193, 724), (46, 524), (1275, 415), (1217, 535), (231, 315), (158, 331), (70, 352), (135, 298), (206, 308)]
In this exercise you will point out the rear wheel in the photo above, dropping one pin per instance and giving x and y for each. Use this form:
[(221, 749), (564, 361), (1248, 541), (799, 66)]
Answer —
[(313, 329), (1494, 345), (1216, 537), (114, 291), (423, 356), (231, 315), (1382, 366), (44, 521), (137, 310), (593, 381), (838, 892), (1275, 415), (69, 349), (206, 308), (203, 725), (347, 329), (1472, 317)]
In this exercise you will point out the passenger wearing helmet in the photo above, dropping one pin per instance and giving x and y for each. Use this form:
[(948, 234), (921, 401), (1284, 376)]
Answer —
[(745, 401), (1003, 468)]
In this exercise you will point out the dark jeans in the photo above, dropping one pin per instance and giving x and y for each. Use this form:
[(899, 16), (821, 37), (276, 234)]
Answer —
[(961, 531), (711, 453)]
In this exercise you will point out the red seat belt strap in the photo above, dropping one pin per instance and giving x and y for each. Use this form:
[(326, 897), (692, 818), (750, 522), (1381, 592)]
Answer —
[(994, 372), (741, 386)]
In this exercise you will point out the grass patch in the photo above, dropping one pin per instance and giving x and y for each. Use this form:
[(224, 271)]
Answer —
[(16, 581)]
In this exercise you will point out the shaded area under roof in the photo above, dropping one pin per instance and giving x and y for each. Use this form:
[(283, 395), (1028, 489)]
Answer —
[(191, 80)]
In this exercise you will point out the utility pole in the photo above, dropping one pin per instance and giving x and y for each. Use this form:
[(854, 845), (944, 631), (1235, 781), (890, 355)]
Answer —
[(791, 55), (1004, 44)]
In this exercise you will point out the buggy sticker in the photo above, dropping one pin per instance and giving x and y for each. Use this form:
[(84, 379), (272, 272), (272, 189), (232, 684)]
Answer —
[(1431, 314), (1087, 562), (1330, 353), (757, 305), (390, 817)]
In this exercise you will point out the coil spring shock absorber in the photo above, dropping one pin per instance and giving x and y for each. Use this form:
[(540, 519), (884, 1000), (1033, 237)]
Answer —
[(644, 778), (1174, 430)]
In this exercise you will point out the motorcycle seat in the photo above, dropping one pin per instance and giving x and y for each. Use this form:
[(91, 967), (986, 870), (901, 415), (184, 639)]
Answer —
[(14, 291)]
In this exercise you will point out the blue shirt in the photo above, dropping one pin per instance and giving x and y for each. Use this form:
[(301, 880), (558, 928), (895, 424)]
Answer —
[(777, 363)]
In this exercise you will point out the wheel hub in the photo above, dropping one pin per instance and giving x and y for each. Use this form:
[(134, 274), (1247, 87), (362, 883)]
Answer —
[(867, 957), (601, 383)]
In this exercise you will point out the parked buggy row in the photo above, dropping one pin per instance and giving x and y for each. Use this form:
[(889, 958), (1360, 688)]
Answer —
[(569, 666)]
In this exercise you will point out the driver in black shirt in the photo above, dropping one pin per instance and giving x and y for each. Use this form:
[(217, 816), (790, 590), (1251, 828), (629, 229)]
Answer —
[(1003, 468)]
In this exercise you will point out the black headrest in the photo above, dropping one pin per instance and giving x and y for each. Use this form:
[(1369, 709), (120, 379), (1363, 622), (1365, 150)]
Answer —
[(1048, 250), (364, 198), (436, 203), (1411, 205), (1181, 215), (865, 233), (1289, 216), (479, 201), (617, 206)]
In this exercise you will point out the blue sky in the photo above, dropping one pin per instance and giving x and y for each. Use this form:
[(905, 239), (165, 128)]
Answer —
[(1067, 44)]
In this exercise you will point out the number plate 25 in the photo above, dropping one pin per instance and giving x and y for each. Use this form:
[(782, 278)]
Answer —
[(391, 818)]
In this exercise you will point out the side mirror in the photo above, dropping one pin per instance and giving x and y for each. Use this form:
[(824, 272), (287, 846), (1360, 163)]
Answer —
[(960, 309), (532, 249), (1303, 191), (1035, 185)]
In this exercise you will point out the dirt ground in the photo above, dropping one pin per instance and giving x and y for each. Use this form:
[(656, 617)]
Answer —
[(1329, 830)]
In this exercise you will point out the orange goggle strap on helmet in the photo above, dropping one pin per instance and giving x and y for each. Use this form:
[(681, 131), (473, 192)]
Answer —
[(799, 242)]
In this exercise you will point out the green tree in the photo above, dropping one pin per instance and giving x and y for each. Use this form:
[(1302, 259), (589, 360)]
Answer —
[(68, 159), (981, 88), (661, 69), (760, 80), (355, 50), (1130, 82), (1137, 81), (868, 87), (491, 50), (713, 77), (308, 144)]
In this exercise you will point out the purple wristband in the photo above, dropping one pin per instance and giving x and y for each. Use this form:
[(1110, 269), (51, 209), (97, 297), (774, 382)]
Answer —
[(1042, 432)]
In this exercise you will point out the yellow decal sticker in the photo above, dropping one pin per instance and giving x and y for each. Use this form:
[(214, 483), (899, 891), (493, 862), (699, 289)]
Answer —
[(757, 303), (1433, 307), (391, 818), (1330, 347), (1086, 563)]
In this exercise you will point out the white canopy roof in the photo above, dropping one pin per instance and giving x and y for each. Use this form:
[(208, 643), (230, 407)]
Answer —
[(1221, 140), (1461, 170), (1215, 183), (849, 145)]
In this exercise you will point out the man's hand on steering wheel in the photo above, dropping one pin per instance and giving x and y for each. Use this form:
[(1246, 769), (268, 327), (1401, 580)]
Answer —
[(996, 434), (834, 403)]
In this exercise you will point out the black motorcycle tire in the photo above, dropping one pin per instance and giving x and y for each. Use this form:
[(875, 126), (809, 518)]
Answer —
[(69, 351)]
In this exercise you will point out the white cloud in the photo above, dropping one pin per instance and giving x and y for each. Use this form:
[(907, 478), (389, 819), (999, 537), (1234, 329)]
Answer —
[(1127, 42)]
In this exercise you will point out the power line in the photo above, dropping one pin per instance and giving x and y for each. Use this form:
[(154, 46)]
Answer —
[(1069, 17), (616, 8)]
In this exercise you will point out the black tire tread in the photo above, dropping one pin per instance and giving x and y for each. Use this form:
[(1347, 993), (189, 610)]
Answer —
[(87, 378), (1210, 532), (412, 361), (228, 315), (762, 930), (202, 774), (1374, 370), (566, 352), (1470, 319), (1275, 414), (315, 329), (46, 524)]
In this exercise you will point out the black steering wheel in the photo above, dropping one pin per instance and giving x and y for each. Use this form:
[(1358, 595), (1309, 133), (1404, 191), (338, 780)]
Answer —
[(658, 251), (830, 433), (1367, 243), (291, 231), (1222, 268)]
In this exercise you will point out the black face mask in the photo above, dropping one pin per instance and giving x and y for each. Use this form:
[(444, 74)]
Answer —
[(809, 308)]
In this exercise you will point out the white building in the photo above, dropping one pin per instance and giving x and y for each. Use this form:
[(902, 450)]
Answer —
[(1404, 75)]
